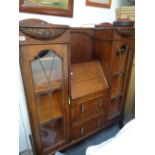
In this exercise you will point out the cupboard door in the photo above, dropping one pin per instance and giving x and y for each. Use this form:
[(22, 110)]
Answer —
[(46, 76), (122, 57)]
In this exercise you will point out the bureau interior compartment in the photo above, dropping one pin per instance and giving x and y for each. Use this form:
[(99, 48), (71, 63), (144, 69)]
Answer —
[(87, 74)]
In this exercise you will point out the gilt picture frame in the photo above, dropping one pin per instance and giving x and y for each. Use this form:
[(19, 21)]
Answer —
[(50, 7), (99, 3)]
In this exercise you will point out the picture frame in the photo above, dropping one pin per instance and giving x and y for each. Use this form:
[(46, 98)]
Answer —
[(99, 3), (50, 7)]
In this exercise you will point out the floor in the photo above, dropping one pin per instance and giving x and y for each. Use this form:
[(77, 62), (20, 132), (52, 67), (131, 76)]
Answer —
[(80, 148)]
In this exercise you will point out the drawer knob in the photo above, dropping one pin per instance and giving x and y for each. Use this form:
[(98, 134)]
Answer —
[(82, 131), (100, 102), (82, 108), (71, 73)]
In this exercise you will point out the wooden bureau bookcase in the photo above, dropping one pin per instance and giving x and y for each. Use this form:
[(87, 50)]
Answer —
[(75, 80)]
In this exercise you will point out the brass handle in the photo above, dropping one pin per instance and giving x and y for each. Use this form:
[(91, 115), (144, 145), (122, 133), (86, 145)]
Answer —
[(69, 100)]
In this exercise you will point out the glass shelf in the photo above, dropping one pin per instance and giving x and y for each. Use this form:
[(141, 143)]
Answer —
[(120, 73), (44, 88)]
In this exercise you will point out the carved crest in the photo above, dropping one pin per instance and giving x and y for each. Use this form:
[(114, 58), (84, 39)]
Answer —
[(40, 29)]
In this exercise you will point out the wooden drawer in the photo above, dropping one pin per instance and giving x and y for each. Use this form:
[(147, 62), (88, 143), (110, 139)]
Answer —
[(88, 127), (86, 109)]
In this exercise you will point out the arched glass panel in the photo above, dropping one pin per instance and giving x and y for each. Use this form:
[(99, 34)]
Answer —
[(48, 88), (120, 64)]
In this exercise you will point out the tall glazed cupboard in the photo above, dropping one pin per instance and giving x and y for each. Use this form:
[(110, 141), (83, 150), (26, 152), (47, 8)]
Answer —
[(44, 67)]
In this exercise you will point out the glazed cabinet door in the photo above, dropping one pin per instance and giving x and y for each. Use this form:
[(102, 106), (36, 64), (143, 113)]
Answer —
[(45, 76), (122, 59)]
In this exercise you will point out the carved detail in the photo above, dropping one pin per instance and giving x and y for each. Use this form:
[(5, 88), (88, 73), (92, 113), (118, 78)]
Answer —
[(41, 33), (41, 30), (125, 32)]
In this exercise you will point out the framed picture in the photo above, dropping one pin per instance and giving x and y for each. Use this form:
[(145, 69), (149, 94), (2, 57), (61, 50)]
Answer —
[(51, 7), (99, 3)]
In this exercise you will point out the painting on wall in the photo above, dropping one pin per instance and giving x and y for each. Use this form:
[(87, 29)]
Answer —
[(99, 3), (51, 7)]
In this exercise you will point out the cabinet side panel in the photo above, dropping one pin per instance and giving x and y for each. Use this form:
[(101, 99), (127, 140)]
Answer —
[(26, 77), (81, 47), (103, 52)]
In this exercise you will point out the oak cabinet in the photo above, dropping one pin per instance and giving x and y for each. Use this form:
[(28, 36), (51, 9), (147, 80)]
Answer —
[(75, 80)]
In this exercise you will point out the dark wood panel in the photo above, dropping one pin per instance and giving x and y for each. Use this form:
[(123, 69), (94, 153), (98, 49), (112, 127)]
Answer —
[(81, 46), (103, 34), (103, 53)]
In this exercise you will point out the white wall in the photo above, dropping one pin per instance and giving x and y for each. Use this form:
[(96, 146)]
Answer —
[(82, 15), (24, 127)]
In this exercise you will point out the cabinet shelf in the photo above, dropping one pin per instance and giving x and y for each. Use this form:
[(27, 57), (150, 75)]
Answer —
[(44, 88), (115, 93), (119, 74), (48, 110)]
